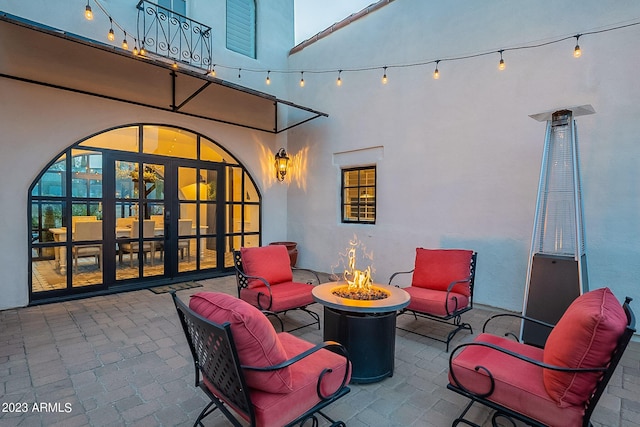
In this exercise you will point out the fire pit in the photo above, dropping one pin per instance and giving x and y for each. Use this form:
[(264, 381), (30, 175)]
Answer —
[(370, 294), (366, 327)]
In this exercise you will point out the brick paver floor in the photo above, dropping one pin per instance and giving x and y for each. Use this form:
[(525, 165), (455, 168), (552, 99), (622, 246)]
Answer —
[(122, 360)]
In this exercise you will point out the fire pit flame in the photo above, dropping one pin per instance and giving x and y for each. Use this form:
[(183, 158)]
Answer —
[(359, 282)]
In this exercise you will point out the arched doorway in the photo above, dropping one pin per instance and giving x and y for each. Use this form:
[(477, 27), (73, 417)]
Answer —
[(137, 206)]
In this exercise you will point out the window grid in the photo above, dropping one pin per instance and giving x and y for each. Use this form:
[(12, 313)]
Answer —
[(359, 195)]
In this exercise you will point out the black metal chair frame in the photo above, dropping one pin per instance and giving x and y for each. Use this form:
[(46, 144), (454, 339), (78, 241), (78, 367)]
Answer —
[(506, 413), (215, 357), (243, 282), (453, 318)]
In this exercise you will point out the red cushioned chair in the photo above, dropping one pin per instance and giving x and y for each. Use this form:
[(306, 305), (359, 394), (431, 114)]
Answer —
[(441, 288), (265, 280), (558, 385), (253, 374)]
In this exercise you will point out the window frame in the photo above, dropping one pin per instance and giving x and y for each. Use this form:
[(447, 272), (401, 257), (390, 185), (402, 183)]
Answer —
[(347, 206)]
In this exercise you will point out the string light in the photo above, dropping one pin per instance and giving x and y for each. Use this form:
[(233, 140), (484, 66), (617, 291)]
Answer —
[(175, 65), (125, 45), (88, 13), (111, 35), (577, 52)]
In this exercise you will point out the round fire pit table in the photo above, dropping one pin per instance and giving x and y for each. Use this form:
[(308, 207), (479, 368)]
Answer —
[(367, 328)]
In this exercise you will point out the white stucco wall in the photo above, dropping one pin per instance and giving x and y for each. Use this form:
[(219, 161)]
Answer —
[(38, 123), (460, 157)]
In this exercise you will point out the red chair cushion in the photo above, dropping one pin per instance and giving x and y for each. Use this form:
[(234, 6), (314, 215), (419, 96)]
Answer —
[(433, 302), (271, 262), (437, 268), (518, 384), (256, 341), (280, 409), (286, 296), (584, 337)]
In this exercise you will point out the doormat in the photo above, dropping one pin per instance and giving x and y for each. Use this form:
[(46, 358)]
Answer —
[(175, 287)]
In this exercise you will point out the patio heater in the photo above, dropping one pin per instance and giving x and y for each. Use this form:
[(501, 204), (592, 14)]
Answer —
[(557, 269)]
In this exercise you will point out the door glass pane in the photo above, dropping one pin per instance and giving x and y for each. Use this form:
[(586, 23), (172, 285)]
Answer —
[(123, 139), (212, 152), (53, 180), (86, 174), (171, 142)]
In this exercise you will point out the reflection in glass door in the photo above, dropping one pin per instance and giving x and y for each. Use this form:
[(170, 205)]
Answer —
[(197, 207), (137, 206), (139, 203)]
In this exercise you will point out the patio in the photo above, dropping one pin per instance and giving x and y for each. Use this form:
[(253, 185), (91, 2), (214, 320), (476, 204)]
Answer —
[(122, 360)]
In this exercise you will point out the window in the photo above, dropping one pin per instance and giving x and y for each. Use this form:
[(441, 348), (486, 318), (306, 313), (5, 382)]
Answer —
[(177, 6), (359, 195), (241, 27)]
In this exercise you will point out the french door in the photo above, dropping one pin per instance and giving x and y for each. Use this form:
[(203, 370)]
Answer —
[(161, 217)]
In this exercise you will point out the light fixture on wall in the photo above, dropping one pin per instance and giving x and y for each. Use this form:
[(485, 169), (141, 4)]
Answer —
[(282, 161), (88, 13)]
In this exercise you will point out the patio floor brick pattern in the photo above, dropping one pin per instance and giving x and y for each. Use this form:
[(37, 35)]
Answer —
[(122, 360)]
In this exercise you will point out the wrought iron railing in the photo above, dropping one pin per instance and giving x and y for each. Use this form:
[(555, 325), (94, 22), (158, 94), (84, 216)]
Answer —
[(174, 36)]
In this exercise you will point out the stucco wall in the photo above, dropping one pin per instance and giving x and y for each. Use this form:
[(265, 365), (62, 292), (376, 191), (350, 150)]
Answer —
[(460, 158), (38, 123)]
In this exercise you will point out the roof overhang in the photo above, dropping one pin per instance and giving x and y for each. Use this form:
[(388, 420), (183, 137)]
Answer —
[(41, 55)]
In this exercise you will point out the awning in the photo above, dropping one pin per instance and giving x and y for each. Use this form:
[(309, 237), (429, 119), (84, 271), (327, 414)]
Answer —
[(33, 53)]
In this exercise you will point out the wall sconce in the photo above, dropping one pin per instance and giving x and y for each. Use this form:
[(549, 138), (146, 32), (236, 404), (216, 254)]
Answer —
[(282, 161)]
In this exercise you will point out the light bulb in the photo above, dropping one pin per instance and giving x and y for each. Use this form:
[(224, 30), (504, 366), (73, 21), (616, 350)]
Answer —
[(212, 73), (436, 73), (111, 35), (174, 65), (135, 50), (384, 77), (577, 52), (301, 78), (268, 80), (88, 13), (339, 80), (501, 65)]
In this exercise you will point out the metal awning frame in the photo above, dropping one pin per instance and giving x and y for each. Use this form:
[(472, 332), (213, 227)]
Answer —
[(177, 105)]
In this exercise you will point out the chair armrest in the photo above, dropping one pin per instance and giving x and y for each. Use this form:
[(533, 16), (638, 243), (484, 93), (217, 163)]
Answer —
[(315, 273), (397, 273), (333, 345), (493, 347), (517, 316), (449, 288)]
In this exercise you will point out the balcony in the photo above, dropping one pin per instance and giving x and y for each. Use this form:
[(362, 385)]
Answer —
[(171, 35)]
